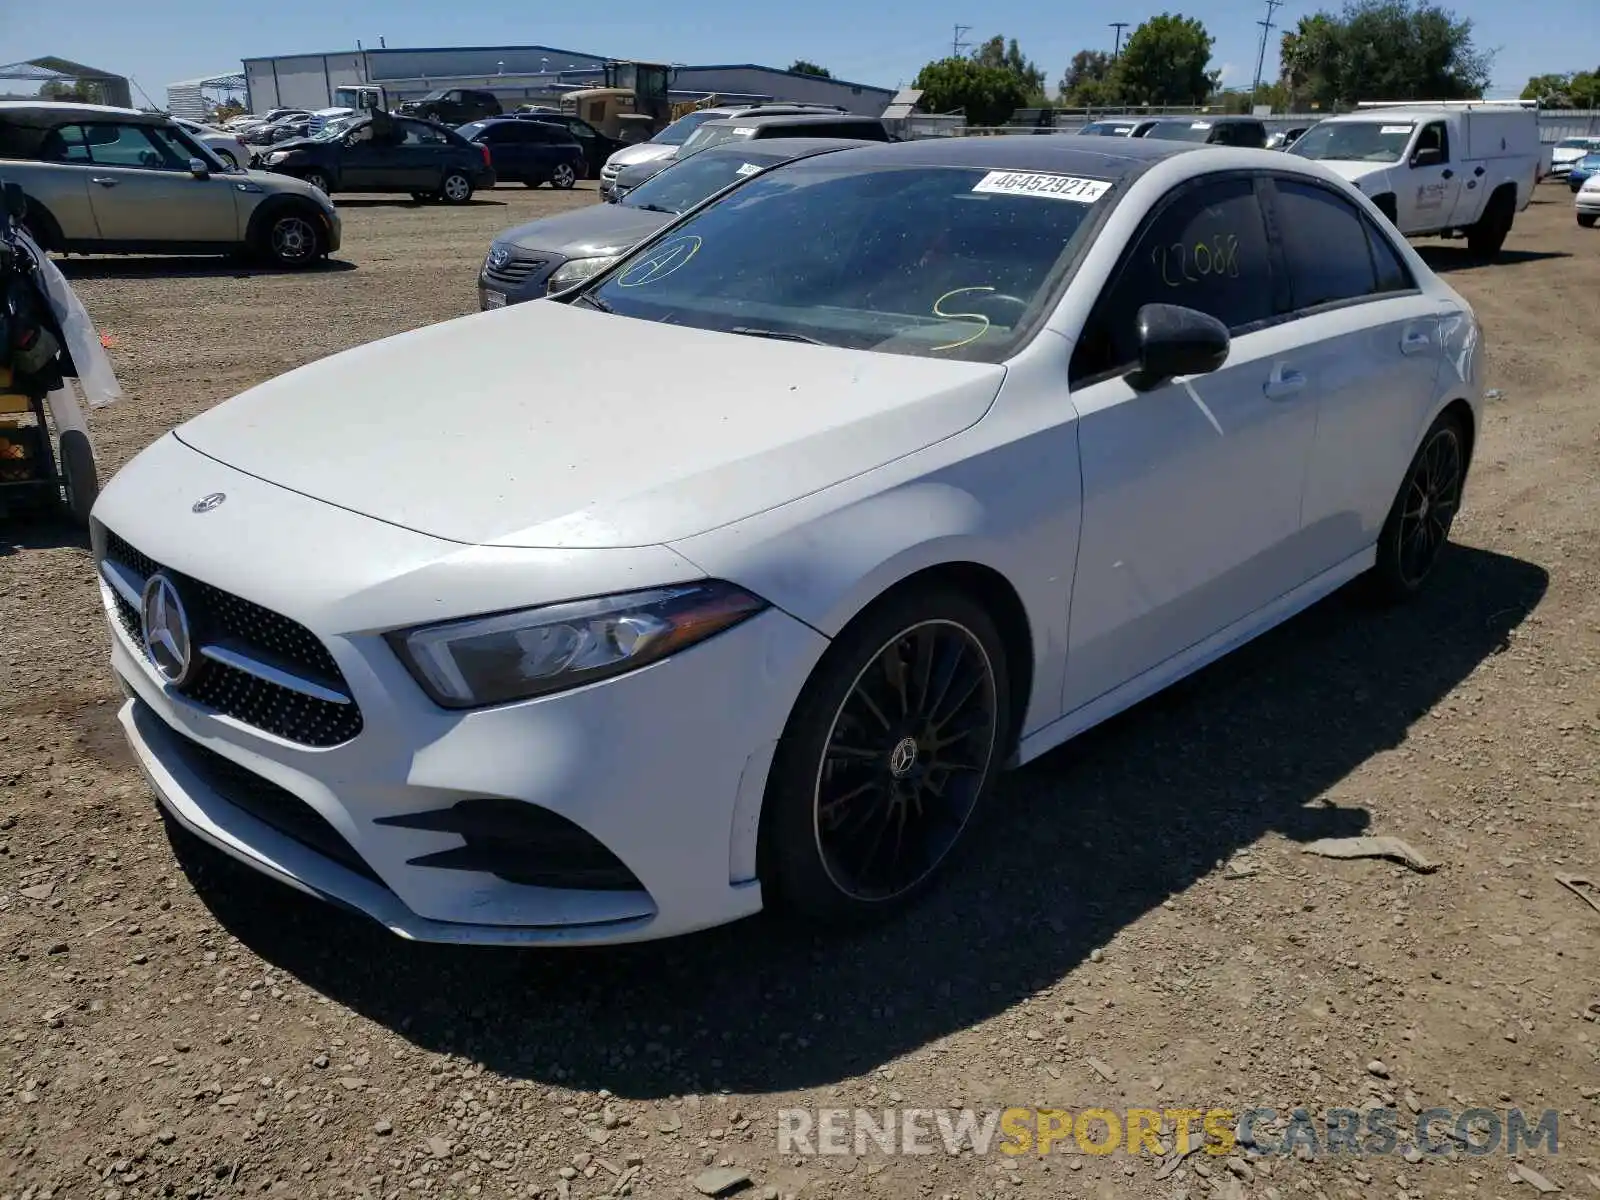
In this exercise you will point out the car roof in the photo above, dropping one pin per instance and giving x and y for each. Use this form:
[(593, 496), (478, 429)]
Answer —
[(1202, 119), (781, 149), (776, 108), (45, 113), (824, 118), (1058, 153)]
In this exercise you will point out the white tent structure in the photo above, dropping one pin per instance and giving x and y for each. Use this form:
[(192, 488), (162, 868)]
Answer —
[(189, 99)]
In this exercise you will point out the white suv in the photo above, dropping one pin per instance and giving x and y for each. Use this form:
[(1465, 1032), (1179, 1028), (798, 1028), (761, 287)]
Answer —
[(665, 144)]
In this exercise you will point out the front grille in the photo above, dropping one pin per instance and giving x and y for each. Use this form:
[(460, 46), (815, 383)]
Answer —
[(518, 271), (270, 804), (221, 616)]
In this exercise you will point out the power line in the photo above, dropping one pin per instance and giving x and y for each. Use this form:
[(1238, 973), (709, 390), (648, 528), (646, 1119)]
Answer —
[(1119, 26), (1261, 56), (956, 44)]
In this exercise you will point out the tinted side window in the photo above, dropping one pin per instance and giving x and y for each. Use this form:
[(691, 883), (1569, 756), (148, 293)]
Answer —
[(1206, 249), (1393, 274), (1435, 136), (1324, 244)]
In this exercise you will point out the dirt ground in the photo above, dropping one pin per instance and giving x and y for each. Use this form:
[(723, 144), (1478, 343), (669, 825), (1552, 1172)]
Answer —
[(1137, 925)]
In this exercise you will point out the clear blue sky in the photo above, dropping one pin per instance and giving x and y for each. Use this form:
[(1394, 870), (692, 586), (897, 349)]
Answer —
[(866, 43)]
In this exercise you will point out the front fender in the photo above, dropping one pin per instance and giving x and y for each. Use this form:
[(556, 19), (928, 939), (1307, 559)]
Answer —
[(1012, 507)]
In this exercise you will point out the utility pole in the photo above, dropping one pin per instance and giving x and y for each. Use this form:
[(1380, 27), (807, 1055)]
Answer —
[(1261, 56), (1119, 26), (956, 44)]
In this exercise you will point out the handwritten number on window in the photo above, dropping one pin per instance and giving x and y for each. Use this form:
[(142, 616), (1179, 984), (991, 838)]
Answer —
[(1182, 264)]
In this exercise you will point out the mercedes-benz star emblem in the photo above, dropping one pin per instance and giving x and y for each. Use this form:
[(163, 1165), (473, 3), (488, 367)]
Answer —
[(165, 627), (903, 757)]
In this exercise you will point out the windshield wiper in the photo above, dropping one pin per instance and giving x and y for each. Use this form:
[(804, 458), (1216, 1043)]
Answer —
[(593, 302), (671, 212), (776, 335)]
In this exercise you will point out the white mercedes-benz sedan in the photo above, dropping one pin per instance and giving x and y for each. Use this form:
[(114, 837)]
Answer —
[(961, 447)]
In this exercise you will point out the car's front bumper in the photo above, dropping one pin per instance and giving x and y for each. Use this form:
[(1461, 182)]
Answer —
[(1587, 203), (520, 280), (664, 767)]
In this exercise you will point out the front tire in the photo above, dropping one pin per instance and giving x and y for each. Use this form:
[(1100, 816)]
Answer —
[(81, 480), (293, 239), (890, 750), (1418, 526), (1587, 220), (455, 188)]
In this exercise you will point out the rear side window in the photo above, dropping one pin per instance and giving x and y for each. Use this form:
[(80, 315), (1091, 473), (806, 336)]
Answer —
[(1326, 245), (1393, 274), (1205, 249)]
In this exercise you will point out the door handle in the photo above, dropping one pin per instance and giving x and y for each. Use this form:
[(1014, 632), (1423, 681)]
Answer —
[(1413, 342), (1283, 383), (1448, 174), (104, 181)]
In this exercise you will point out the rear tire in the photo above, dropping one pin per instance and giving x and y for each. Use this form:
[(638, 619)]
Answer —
[(228, 158), (1387, 206), (1418, 526), (1485, 238), (317, 180), (864, 757), (82, 481), (455, 188), (563, 176)]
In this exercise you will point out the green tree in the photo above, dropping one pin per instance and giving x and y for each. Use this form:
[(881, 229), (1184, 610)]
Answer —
[(1383, 50), (1091, 81), (1166, 61), (802, 66), (988, 95), (78, 89), (1581, 89), (998, 53)]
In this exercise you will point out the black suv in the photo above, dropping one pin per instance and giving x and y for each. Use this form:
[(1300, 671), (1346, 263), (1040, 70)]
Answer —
[(384, 153), (454, 106), (597, 146), (1212, 131), (529, 152)]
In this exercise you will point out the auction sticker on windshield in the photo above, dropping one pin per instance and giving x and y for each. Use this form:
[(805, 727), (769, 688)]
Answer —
[(748, 169), (1055, 187), (1388, 129)]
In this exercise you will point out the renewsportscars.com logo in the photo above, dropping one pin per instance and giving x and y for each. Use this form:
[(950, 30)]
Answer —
[(1373, 1132)]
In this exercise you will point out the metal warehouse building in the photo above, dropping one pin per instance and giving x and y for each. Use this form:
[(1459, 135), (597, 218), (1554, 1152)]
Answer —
[(531, 72)]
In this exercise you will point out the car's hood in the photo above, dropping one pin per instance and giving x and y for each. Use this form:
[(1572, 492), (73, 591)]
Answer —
[(1353, 171), (585, 232), (640, 152), (506, 428)]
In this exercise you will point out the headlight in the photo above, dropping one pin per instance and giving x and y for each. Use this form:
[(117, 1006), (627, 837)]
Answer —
[(519, 655), (277, 156), (569, 274)]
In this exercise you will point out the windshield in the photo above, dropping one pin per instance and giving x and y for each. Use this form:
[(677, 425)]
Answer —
[(1180, 131), (684, 184), (438, 95), (708, 136), (1355, 141), (1107, 129), (334, 127), (941, 262), (1577, 143), (678, 132)]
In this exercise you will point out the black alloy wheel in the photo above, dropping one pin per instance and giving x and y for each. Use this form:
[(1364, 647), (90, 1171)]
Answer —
[(1418, 527), (887, 756)]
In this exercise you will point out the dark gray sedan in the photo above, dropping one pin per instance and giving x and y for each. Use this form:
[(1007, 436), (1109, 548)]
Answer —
[(553, 254)]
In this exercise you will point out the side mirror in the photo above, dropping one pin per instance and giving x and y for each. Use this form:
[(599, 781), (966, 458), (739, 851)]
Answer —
[(1430, 156), (1173, 341), (199, 169), (16, 202)]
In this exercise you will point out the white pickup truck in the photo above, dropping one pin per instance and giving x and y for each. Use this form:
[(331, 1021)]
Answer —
[(1447, 169)]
